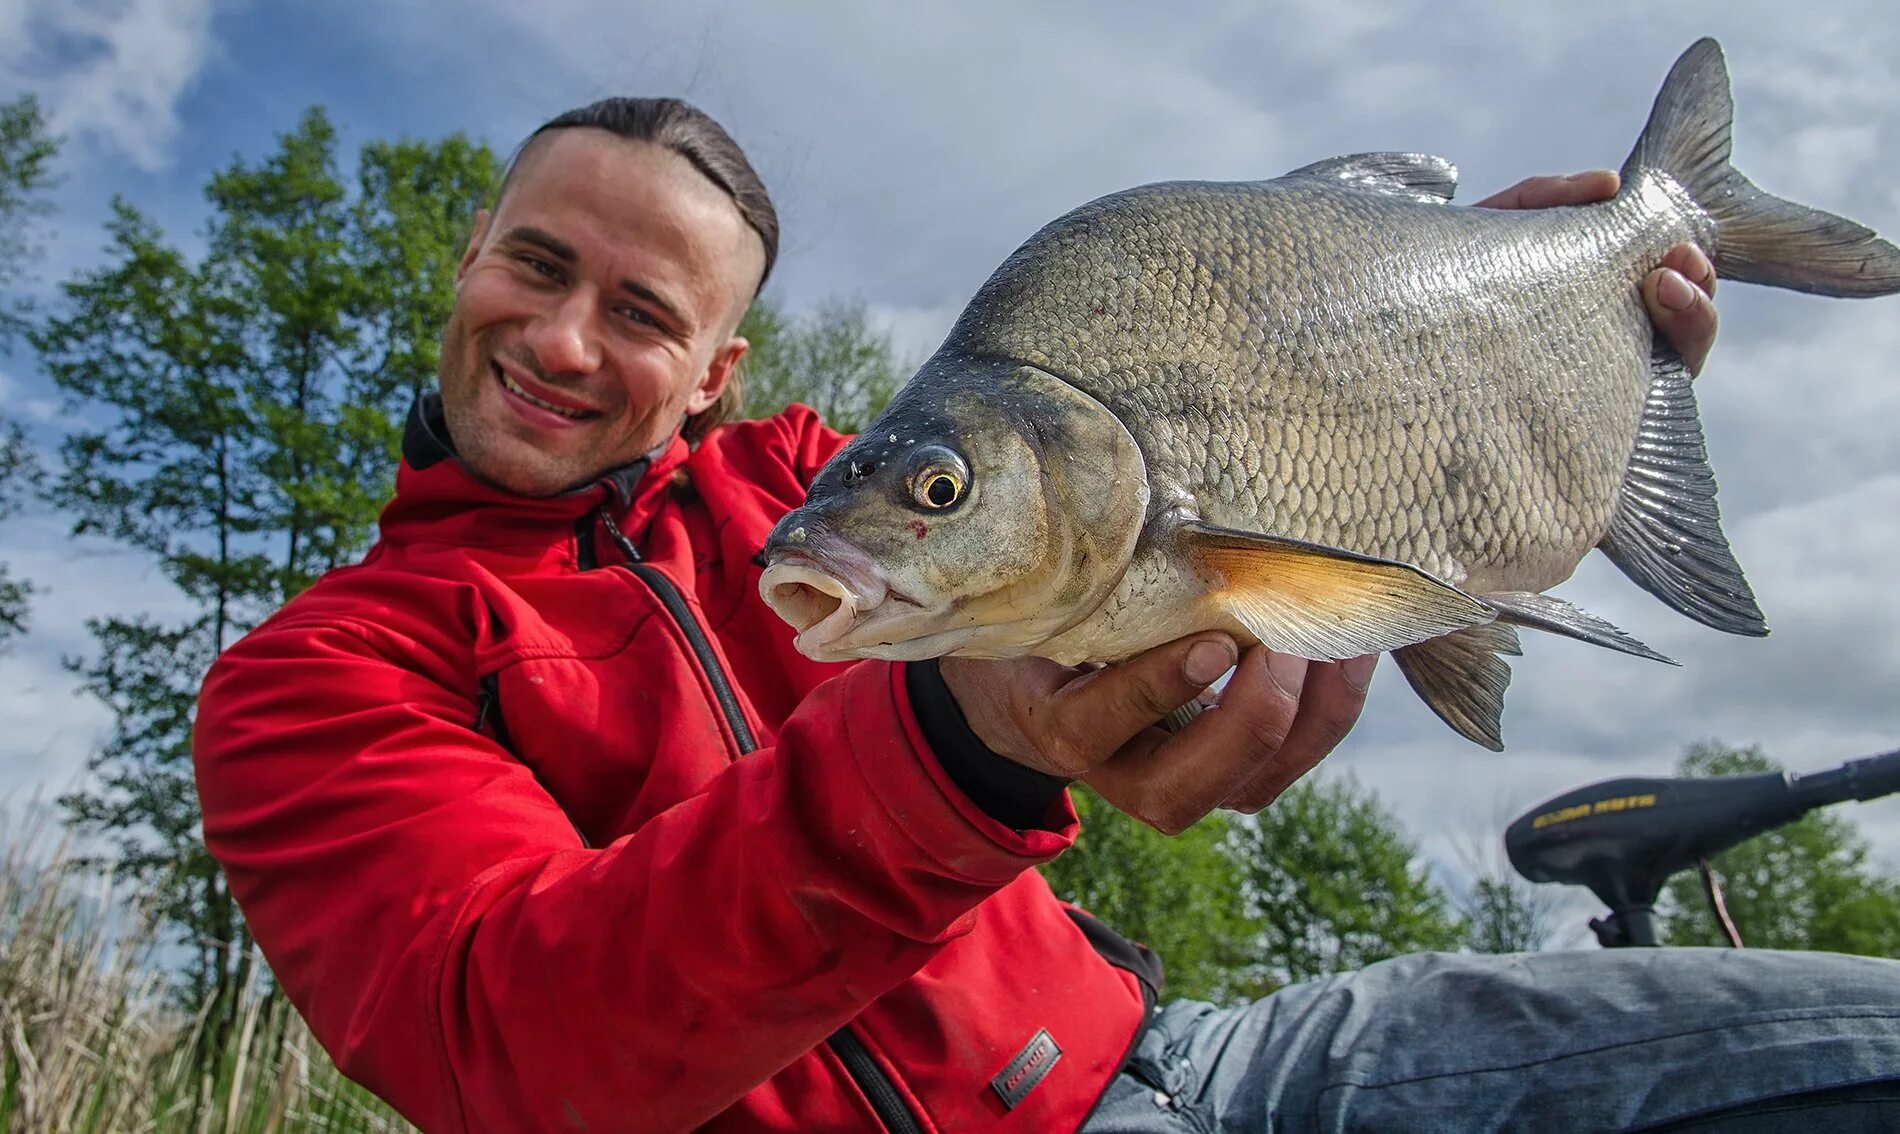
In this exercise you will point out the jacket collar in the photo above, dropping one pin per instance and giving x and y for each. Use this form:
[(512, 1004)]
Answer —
[(435, 490)]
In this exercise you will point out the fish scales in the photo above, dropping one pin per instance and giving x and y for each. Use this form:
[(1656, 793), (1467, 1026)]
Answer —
[(1355, 402), (1330, 413)]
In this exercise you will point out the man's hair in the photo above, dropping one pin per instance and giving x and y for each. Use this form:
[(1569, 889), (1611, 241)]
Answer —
[(694, 135)]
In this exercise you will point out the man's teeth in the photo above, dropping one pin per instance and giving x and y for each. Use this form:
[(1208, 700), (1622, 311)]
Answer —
[(515, 388)]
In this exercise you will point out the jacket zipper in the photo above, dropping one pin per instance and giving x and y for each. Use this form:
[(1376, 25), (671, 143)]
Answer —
[(885, 1102), (675, 604), (863, 1070)]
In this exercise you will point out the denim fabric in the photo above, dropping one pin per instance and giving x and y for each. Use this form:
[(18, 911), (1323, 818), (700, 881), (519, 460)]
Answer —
[(1611, 1040)]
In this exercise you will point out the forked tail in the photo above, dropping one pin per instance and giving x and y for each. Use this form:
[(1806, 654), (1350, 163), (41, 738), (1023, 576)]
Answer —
[(1760, 238)]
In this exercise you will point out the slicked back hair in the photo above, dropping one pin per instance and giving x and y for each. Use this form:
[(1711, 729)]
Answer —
[(693, 134)]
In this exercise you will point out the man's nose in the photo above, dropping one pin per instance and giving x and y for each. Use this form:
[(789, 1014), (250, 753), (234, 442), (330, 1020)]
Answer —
[(566, 339)]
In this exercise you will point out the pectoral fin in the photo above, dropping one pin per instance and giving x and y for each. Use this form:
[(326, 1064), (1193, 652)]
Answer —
[(1322, 602), (1463, 678)]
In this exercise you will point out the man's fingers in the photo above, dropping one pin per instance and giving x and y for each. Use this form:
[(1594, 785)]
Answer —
[(1170, 782), (1095, 716), (1549, 192), (1694, 265), (1330, 704), (1678, 295)]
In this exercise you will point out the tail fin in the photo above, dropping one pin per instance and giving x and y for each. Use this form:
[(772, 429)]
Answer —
[(1759, 238)]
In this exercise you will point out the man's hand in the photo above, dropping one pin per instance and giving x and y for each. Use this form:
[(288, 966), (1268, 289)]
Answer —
[(1277, 717), (1680, 293)]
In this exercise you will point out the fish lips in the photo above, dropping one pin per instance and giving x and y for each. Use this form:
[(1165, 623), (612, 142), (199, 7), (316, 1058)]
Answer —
[(825, 587)]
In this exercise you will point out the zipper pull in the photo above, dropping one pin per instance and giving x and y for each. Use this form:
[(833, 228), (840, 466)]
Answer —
[(619, 537)]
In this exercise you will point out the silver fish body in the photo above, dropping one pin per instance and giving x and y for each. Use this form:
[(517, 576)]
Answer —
[(1328, 412)]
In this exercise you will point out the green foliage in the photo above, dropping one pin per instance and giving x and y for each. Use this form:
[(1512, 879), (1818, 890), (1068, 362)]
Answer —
[(1332, 886), (1807, 885), (1323, 881), (26, 154), (1180, 896), (831, 359), (19, 475), (239, 421), (1504, 914)]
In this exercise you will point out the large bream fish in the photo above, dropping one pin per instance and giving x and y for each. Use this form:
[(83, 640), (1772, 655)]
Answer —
[(1329, 412)]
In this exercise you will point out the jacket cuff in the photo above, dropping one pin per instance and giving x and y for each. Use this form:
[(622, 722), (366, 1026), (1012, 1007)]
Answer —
[(1013, 795)]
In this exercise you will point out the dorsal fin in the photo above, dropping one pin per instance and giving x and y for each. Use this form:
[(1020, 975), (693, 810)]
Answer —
[(1421, 177)]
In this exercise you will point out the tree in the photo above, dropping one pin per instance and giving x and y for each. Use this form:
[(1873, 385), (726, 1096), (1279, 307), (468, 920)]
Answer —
[(1180, 896), (1505, 915), (1806, 885), (26, 154), (1332, 885), (245, 414), (831, 359), (19, 475), (1502, 911)]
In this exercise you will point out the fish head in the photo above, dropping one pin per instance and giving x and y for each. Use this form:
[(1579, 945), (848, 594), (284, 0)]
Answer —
[(987, 509)]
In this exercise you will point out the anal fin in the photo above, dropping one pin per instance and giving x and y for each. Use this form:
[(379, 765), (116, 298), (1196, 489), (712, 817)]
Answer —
[(1463, 678), (1324, 603), (1667, 533), (1547, 612)]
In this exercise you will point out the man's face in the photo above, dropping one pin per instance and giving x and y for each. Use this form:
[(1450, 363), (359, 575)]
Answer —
[(606, 285)]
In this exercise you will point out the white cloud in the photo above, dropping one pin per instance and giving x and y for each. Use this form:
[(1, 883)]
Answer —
[(109, 72)]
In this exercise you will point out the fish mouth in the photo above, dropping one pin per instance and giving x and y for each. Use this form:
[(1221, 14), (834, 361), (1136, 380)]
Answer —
[(818, 604), (826, 590)]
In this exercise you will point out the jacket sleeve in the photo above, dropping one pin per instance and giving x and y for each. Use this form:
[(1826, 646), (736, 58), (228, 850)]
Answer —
[(456, 948)]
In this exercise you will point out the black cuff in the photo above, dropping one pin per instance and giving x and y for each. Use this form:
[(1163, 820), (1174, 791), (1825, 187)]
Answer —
[(1007, 792)]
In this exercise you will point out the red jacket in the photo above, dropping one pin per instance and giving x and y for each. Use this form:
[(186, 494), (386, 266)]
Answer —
[(490, 804)]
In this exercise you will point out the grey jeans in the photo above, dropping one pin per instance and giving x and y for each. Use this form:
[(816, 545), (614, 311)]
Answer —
[(1608, 1040)]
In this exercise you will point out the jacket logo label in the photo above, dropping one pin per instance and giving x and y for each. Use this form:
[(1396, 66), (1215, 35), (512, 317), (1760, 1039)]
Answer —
[(1031, 1065)]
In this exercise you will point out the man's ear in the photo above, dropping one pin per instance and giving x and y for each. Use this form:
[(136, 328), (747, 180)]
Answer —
[(475, 238), (718, 373)]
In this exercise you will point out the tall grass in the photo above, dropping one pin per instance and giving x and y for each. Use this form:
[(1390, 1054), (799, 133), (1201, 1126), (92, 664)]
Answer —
[(92, 1040)]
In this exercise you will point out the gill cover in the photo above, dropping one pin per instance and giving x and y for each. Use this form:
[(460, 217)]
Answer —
[(991, 506)]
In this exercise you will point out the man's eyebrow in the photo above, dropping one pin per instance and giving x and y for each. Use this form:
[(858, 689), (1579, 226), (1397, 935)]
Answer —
[(547, 242), (642, 292)]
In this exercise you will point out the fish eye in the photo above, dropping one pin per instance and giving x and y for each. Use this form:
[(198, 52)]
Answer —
[(939, 478)]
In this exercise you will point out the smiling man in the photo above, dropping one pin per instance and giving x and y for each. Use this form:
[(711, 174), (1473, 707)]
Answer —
[(544, 824), (595, 311)]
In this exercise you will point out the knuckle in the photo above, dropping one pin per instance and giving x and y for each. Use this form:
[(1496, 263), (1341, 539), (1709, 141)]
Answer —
[(1264, 736), (1170, 815), (1064, 746), (1169, 823)]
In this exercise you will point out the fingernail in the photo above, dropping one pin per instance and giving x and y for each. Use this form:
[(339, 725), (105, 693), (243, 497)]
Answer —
[(1358, 671), (1288, 672), (1207, 659), (1675, 292)]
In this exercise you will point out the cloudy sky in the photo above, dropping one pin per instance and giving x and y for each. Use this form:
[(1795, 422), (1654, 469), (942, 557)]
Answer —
[(911, 147)]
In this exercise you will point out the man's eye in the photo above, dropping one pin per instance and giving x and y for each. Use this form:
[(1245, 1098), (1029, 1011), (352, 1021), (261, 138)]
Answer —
[(638, 316), (541, 267)]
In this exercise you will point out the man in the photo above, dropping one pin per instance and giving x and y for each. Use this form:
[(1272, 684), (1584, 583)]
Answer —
[(544, 825)]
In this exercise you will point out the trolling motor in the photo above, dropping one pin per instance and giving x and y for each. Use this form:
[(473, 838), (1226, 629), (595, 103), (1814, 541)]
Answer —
[(1623, 838)]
